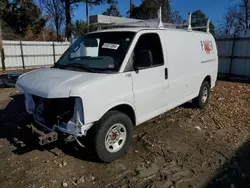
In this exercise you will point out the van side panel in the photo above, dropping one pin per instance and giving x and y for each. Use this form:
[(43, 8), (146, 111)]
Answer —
[(187, 64), (190, 60)]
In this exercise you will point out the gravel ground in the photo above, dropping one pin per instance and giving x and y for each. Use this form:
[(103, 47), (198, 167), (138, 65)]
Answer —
[(184, 148)]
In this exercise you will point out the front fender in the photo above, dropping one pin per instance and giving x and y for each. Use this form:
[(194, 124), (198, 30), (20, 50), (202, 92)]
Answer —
[(110, 107), (99, 97)]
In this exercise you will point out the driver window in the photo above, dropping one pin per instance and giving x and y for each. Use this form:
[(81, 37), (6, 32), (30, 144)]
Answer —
[(152, 43)]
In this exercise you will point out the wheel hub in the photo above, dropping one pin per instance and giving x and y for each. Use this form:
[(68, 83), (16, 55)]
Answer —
[(115, 138), (204, 95)]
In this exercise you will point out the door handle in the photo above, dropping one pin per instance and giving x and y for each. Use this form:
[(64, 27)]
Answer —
[(166, 73)]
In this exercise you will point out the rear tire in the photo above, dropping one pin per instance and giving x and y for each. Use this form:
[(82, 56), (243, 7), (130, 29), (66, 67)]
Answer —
[(203, 97), (112, 136)]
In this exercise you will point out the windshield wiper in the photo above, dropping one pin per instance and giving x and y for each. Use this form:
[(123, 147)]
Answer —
[(93, 58), (81, 66), (57, 65), (86, 58)]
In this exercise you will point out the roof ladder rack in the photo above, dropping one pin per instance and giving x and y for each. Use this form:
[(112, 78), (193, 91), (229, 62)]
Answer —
[(152, 23), (208, 25), (190, 21), (160, 24), (190, 28)]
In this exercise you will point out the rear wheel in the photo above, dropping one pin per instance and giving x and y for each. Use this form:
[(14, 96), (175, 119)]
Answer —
[(112, 136), (203, 97)]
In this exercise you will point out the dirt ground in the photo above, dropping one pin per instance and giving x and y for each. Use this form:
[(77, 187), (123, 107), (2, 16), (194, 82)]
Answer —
[(184, 148)]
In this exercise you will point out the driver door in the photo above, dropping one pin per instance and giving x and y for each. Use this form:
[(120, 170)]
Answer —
[(148, 80)]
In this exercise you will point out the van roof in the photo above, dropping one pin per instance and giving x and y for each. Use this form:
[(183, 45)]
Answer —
[(137, 29)]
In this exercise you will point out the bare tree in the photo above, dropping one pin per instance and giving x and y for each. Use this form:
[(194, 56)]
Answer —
[(55, 13), (237, 18), (246, 7), (176, 17), (232, 21)]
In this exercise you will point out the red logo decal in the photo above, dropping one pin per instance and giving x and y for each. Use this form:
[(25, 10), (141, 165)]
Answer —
[(207, 47)]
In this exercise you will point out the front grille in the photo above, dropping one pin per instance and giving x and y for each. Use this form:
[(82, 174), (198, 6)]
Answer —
[(53, 111)]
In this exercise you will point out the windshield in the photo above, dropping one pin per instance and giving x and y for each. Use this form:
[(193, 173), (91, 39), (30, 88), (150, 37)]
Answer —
[(95, 52)]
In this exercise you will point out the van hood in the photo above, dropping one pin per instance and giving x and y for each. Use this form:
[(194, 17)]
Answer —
[(55, 83)]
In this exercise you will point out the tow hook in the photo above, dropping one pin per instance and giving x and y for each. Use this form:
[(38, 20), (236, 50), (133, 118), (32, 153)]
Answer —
[(48, 138), (43, 137)]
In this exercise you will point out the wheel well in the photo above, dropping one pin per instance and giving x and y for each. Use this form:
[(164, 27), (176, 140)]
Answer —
[(208, 79), (128, 110)]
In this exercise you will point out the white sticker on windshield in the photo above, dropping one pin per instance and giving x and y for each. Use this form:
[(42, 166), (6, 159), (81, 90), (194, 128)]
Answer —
[(110, 46)]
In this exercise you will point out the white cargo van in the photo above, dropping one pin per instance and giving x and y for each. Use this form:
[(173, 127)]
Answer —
[(111, 80)]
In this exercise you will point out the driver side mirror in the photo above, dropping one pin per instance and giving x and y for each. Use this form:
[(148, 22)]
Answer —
[(143, 59)]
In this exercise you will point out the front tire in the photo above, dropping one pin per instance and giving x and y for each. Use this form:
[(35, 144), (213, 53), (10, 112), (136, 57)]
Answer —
[(112, 136), (203, 97)]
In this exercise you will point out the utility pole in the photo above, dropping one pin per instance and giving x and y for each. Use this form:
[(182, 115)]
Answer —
[(87, 15), (1, 48), (130, 9)]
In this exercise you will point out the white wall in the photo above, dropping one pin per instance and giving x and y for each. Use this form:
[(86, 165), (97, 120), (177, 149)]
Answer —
[(35, 54)]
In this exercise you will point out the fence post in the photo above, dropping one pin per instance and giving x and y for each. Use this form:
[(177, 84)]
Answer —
[(54, 54), (3, 58), (21, 47), (231, 57), (1, 49)]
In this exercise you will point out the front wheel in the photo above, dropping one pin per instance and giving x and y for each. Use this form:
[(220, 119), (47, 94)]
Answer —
[(113, 134), (203, 97)]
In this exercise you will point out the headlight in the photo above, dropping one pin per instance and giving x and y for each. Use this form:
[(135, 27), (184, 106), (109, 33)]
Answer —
[(78, 111), (29, 103)]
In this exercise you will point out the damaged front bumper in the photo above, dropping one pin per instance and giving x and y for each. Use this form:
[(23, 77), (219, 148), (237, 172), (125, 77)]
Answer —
[(44, 138), (72, 126)]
